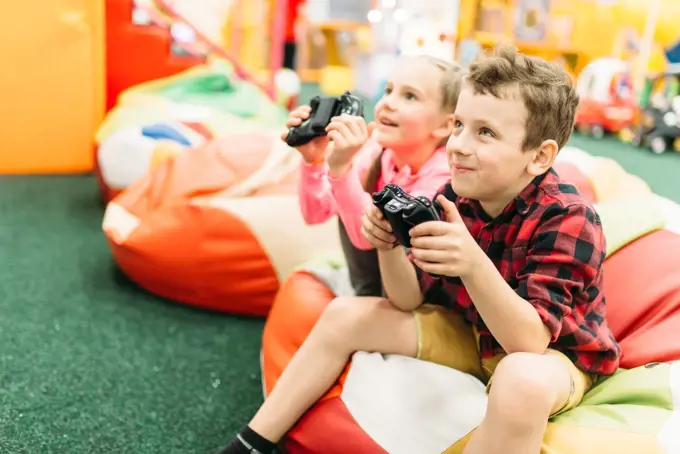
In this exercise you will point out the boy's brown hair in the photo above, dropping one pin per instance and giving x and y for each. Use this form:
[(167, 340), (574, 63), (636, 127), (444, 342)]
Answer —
[(547, 90), (452, 81)]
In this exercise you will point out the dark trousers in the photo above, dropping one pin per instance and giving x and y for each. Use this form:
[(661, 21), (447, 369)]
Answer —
[(364, 271)]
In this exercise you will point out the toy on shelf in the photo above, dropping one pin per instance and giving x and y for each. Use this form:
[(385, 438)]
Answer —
[(575, 32), (658, 126), (608, 103), (537, 27), (329, 33)]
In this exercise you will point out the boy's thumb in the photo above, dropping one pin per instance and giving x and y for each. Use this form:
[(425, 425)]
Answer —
[(450, 209)]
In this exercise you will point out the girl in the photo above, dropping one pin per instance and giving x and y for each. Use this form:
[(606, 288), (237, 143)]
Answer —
[(414, 119), (404, 146)]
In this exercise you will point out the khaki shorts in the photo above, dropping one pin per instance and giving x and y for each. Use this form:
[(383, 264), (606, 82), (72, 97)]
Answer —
[(446, 338)]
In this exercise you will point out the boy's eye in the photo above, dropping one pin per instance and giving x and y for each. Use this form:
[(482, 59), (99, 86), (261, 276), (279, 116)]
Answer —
[(410, 96), (388, 90), (457, 124), (486, 132)]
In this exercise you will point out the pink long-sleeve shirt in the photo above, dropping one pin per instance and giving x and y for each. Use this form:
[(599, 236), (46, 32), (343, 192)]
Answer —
[(322, 196)]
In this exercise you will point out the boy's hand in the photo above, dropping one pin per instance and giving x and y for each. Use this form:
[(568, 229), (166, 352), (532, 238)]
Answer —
[(348, 134), (377, 230), (446, 247), (313, 152)]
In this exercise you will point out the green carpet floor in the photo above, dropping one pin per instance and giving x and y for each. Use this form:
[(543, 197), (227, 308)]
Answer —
[(91, 364)]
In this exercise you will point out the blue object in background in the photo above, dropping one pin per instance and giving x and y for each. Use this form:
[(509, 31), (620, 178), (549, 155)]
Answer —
[(163, 131), (673, 53)]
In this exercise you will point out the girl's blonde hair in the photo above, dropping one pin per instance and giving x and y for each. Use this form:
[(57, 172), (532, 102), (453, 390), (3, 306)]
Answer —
[(451, 83)]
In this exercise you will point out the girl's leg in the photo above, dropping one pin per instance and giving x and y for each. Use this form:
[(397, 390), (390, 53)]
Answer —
[(347, 325)]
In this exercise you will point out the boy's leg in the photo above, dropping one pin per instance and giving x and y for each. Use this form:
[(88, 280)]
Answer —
[(347, 325), (446, 338), (527, 389)]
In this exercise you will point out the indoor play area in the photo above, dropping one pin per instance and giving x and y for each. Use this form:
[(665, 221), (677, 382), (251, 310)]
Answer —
[(159, 274)]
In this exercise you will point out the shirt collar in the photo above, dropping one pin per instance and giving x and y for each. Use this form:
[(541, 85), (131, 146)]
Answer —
[(405, 172), (520, 204), (529, 194)]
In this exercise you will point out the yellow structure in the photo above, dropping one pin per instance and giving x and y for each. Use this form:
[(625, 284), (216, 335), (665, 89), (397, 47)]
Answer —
[(576, 31), (52, 85), (246, 34)]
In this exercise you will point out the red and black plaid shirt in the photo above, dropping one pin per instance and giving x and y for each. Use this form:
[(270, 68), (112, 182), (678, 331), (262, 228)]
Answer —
[(549, 247)]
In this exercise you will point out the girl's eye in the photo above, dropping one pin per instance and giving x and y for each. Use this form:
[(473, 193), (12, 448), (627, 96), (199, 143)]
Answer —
[(410, 96), (457, 124), (486, 132), (388, 90)]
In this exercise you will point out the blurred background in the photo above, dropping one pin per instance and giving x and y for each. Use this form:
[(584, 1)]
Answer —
[(102, 234), (623, 53)]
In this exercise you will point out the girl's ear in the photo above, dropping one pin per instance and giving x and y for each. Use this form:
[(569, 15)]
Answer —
[(445, 129)]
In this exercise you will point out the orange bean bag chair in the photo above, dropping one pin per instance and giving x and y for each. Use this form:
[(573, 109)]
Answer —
[(218, 226), (380, 406)]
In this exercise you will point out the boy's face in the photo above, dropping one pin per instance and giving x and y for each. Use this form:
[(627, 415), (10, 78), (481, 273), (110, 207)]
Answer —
[(485, 150)]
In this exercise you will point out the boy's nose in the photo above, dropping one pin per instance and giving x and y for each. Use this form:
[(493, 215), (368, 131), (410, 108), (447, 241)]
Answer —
[(456, 145)]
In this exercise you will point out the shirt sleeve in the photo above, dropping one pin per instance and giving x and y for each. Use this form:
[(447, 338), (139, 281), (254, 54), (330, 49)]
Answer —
[(564, 258), (350, 195), (314, 194), (352, 201)]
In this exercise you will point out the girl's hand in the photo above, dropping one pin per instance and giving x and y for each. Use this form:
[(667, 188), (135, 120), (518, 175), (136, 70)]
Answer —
[(313, 152), (348, 133), (377, 230)]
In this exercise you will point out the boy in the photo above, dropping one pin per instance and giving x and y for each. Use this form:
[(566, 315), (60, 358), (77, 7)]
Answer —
[(520, 253)]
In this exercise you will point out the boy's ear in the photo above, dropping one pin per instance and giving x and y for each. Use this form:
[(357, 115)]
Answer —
[(445, 129), (544, 157)]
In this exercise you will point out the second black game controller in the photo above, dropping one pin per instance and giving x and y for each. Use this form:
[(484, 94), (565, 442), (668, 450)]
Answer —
[(403, 211), (323, 109)]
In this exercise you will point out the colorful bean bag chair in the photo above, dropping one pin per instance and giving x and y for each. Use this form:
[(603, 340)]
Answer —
[(158, 119), (129, 153), (393, 404), (217, 226)]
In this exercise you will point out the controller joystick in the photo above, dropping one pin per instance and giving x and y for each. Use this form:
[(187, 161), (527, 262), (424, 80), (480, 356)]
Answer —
[(404, 211), (323, 109)]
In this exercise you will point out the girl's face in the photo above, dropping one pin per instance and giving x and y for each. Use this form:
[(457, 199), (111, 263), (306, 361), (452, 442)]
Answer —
[(410, 110)]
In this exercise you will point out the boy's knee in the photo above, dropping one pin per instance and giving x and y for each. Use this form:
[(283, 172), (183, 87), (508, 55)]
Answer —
[(347, 315), (529, 384)]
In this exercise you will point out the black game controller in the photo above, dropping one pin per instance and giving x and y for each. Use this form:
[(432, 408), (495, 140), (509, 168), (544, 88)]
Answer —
[(323, 109), (404, 211)]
